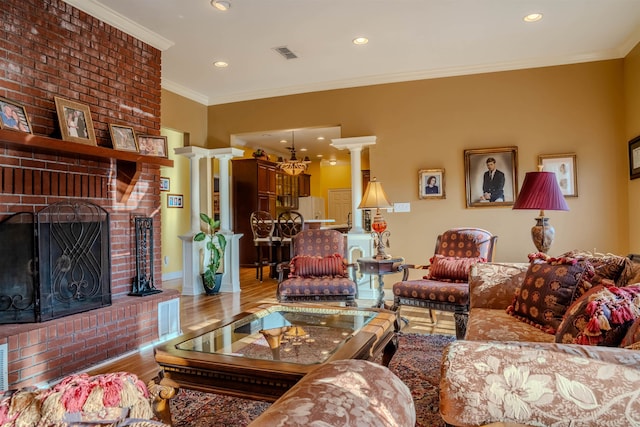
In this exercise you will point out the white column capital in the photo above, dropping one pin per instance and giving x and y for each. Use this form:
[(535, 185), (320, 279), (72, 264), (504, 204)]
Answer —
[(191, 151), (225, 153), (356, 143)]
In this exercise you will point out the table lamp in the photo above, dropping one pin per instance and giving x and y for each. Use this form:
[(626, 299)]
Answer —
[(540, 190), (376, 198)]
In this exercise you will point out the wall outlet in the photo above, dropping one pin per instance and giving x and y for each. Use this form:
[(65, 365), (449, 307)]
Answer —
[(402, 207)]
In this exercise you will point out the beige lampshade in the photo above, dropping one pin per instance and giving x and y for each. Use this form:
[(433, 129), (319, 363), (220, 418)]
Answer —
[(374, 197)]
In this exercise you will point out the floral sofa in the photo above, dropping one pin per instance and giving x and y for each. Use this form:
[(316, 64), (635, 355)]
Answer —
[(521, 361)]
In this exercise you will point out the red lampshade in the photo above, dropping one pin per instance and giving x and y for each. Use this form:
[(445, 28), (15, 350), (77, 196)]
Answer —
[(540, 190)]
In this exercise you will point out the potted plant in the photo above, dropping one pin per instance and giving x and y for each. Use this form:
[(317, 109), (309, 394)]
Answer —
[(211, 279), (260, 154)]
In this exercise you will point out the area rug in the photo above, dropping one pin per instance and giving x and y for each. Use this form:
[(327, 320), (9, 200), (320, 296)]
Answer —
[(417, 363)]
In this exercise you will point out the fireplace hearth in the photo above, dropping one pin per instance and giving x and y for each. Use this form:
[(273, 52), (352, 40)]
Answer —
[(54, 263)]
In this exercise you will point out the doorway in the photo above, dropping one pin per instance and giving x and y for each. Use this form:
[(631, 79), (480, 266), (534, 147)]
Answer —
[(339, 201)]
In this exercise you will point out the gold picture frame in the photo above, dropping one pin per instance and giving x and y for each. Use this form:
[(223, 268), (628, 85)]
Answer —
[(13, 116), (566, 169), (483, 190), (75, 121), (123, 138), (151, 145), (431, 184)]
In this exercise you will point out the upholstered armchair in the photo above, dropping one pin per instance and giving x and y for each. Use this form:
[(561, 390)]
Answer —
[(317, 270), (445, 285)]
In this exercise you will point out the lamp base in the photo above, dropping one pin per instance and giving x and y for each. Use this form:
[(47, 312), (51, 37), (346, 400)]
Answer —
[(542, 234), (379, 240)]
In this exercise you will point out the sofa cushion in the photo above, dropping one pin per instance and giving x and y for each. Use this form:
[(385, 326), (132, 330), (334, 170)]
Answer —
[(602, 316), (452, 269), (633, 334), (548, 289), (487, 324), (317, 266)]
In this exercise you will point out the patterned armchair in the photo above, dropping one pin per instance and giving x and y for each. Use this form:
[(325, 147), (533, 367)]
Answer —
[(445, 287), (317, 270)]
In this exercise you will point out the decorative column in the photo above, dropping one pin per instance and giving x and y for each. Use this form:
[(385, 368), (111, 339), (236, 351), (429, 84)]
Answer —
[(231, 277), (191, 264), (359, 242)]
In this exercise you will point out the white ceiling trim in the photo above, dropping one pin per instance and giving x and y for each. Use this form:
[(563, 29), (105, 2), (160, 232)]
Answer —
[(121, 22), (184, 91)]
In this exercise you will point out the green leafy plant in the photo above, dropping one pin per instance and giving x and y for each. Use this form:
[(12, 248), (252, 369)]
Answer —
[(216, 251)]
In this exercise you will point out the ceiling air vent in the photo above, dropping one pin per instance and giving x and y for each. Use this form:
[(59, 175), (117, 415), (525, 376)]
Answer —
[(284, 51)]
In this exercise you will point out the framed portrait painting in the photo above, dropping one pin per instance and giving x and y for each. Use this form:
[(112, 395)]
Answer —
[(153, 145), (123, 138), (75, 121), (565, 168), (431, 184), (491, 176), (14, 116)]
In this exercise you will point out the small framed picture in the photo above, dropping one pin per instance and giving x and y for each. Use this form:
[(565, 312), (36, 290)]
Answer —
[(123, 138), (14, 116), (431, 184), (165, 184), (634, 158), (491, 176), (75, 121), (565, 168), (153, 145), (174, 201)]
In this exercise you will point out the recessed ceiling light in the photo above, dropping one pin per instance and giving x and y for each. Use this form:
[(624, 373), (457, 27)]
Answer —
[(532, 17), (220, 64), (283, 141), (318, 155), (320, 138), (360, 40), (221, 5), (333, 162), (303, 149)]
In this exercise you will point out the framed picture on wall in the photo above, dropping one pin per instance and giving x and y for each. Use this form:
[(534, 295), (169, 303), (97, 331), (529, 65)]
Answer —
[(123, 138), (14, 116), (174, 201), (153, 145), (75, 121), (565, 168), (491, 176), (165, 184), (634, 158), (431, 184)]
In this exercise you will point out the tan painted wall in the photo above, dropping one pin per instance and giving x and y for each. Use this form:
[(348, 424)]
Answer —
[(429, 123), (632, 110), (186, 116)]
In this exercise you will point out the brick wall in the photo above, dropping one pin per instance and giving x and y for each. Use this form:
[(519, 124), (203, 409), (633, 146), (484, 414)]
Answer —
[(48, 49)]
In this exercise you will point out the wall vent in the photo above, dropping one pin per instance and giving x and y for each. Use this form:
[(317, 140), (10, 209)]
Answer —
[(4, 367), (168, 319), (286, 52)]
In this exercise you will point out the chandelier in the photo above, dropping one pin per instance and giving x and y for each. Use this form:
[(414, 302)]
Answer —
[(293, 166)]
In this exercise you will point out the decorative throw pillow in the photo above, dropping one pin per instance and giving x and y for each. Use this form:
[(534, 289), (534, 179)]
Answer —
[(602, 316), (451, 269), (547, 291), (633, 334), (317, 266), (606, 266)]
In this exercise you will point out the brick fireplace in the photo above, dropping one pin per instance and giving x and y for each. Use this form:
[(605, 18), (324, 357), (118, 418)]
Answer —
[(48, 49)]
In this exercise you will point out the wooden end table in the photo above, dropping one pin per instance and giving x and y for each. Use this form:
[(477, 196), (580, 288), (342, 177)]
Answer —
[(380, 267)]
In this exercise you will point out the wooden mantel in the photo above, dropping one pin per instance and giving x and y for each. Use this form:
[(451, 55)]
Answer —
[(128, 163)]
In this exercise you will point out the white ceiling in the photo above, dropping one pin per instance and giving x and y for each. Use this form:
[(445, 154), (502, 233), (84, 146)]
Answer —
[(409, 40)]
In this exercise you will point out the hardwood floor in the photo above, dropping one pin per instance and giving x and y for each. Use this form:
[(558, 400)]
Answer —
[(200, 310)]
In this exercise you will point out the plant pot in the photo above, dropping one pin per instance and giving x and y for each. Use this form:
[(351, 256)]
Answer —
[(212, 288)]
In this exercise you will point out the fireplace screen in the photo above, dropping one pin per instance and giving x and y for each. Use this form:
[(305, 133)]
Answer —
[(72, 273)]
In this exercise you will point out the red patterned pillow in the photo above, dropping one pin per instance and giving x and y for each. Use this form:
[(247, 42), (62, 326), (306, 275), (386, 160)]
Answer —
[(547, 291), (602, 316), (317, 266), (452, 269)]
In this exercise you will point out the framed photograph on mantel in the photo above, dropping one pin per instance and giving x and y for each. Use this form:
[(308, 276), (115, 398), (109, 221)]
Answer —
[(75, 121), (565, 168), (123, 138), (13, 116), (634, 158), (491, 176), (431, 184), (153, 145)]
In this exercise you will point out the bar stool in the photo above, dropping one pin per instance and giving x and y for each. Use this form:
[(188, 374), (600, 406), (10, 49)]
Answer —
[(290, 223), (262, 227)]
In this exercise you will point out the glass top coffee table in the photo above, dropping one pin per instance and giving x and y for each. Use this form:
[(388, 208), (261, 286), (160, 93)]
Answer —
[(263, 352)]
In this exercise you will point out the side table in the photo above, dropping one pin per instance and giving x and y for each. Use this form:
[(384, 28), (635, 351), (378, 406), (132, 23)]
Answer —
[(380, 267)]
